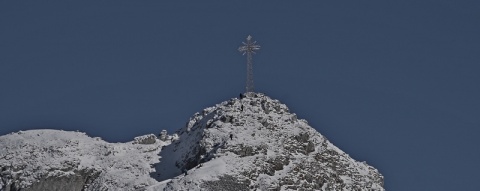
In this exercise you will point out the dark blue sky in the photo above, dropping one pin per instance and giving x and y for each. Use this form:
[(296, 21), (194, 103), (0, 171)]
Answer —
[(395, 83)]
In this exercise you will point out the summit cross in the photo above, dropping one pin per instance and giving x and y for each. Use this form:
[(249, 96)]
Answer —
[(249, 48)]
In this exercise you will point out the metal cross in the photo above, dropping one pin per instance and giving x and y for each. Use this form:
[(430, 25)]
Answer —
[(248, 48)]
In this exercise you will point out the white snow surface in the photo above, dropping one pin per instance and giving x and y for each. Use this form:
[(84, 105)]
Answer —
[(270, 149), (29, 156)]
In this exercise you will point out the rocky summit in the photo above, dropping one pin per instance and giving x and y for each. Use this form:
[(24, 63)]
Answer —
[(248, 143)]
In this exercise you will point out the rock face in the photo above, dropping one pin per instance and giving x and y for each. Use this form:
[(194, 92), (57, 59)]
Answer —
[(253, 143), (163, 135), (145, 139), (75, 181)]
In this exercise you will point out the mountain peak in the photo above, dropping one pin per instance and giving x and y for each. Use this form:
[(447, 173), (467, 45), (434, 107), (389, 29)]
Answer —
[(256, 143), (248, 143)]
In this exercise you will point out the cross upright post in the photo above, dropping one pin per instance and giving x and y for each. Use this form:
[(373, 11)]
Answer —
[(249, 48)]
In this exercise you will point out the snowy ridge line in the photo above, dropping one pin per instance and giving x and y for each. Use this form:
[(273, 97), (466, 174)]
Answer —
[(247, 143), (62, 160)]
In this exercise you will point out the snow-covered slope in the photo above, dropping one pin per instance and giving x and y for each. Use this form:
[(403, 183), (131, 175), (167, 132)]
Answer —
[(253, 143), (61, 160)]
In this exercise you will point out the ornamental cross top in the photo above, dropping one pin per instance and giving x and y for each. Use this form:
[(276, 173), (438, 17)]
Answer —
[(248, 48)]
